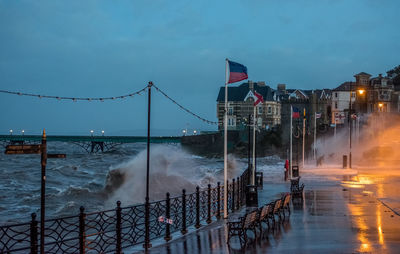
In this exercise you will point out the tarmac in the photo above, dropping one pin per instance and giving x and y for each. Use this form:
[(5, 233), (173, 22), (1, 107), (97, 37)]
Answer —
[(343, 211)]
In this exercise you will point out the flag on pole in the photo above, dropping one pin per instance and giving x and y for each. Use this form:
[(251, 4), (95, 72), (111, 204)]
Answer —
[(237, 72), (295, 113), (258, 98), (318, 115)]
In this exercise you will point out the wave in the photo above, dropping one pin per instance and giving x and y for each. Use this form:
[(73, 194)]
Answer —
[(171, 170)]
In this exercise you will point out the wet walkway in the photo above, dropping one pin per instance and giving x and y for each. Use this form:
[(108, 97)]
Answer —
[(337, 215)]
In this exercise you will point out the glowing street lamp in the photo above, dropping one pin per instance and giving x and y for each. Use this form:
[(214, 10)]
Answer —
[(23, 132), (91, 132), (361, 91), (102, 133), (194, 132), (11, 132), (184, 132)]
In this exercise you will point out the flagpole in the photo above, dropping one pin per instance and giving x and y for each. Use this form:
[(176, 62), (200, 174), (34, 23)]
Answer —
[(226, 142), (304, 133), (291, 141), (253, 177), (315, 134)]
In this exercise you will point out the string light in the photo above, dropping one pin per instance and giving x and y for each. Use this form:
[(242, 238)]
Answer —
[(76, 98), (102, 99), (182, 107)]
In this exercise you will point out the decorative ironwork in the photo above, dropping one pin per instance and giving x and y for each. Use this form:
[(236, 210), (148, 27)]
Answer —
[(122, 227)]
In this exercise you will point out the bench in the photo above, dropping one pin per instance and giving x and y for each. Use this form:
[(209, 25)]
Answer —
[(295, 188), (286, 204), (275, 211), (240, 226), (264, 216)]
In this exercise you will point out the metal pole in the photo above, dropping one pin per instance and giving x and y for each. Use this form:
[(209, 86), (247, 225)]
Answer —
[(249, 142), (304, 135), (253, 177), (315, 135), (350, 120), (291, 142), (147, 243), (43, 161), (226, 142)]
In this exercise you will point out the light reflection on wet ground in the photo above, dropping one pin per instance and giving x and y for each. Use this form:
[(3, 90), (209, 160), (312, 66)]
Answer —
[(345, 214)]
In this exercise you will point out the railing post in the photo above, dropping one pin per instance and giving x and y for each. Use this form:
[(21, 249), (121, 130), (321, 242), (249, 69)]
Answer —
[(168, 215), (233, 194), (34, 234), (218, 200), (209, 204), (197, 207), (238, 193), (183, 230), (227, 196), (118, 227), (82, 240)]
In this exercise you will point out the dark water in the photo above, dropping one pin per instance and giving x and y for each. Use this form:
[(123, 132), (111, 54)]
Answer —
[(97, 181)]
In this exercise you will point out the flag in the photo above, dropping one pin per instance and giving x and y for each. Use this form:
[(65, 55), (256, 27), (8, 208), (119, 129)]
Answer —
[(296, 113), (258, 98), (237, 72), (318, 115)]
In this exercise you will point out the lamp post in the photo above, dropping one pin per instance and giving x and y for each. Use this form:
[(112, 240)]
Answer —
[(11, 132), (350, 121), (23, 132), (184, 132), (102, 133), (91, 133), (194, 132)]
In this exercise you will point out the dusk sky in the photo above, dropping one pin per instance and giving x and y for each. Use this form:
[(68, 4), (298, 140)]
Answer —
[(111, 48)]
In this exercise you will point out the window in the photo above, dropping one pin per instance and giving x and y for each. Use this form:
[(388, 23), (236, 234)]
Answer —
[(260, 109), (336, 95), (230, 111), (269, 110), (335, 104)]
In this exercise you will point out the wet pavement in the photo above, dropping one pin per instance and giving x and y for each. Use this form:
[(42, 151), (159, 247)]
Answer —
[(342, 212)]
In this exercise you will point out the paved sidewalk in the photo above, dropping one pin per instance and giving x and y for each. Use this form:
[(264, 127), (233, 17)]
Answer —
[(334, 217)]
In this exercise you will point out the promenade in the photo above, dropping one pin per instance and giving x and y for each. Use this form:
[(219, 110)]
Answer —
[(343, 211)]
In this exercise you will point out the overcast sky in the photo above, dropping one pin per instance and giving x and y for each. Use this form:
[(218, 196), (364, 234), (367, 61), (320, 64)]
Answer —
[(111, 48)]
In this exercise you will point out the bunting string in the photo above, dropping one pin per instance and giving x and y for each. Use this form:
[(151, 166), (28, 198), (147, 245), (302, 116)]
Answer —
[(139, 92), (76, 98), (185, 109)]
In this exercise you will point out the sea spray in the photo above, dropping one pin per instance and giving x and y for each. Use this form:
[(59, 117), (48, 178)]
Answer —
[(171, 170)]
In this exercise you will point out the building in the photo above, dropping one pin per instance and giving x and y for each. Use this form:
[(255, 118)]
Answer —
[(240, 106), (341, 101), (368, 95)]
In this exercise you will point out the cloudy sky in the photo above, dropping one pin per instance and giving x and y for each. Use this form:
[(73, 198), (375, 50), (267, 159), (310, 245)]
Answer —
[(111, 48)]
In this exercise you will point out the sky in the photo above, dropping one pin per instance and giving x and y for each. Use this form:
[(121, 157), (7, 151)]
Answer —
[(110, 48)]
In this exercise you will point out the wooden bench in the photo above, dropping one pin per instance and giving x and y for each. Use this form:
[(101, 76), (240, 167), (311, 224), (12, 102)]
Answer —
[(275, 211), (285, 204), (295, 188), (240, 226), (264, 215)]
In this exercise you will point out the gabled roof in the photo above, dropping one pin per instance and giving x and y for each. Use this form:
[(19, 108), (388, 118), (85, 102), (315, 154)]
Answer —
[(346, 86), (363, 74), (239, 93)]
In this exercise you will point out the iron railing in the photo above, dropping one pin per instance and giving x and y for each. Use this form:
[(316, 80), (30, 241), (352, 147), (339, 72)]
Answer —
[(124, 227)]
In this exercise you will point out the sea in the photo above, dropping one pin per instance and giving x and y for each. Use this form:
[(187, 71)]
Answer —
[(97, 181)]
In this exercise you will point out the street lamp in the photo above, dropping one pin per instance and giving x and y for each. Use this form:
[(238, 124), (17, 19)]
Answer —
[(380, 105), (361, 91), (194, 132), (91, 132), (184, 132), (102, 133), (23, 132), (11, 131)]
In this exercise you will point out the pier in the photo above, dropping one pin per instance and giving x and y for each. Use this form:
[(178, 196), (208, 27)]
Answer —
[(88, 143)]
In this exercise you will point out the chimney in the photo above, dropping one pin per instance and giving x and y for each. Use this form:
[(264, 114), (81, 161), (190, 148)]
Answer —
[(261, 83), (251, 85), (282, 88), (380, 75)]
